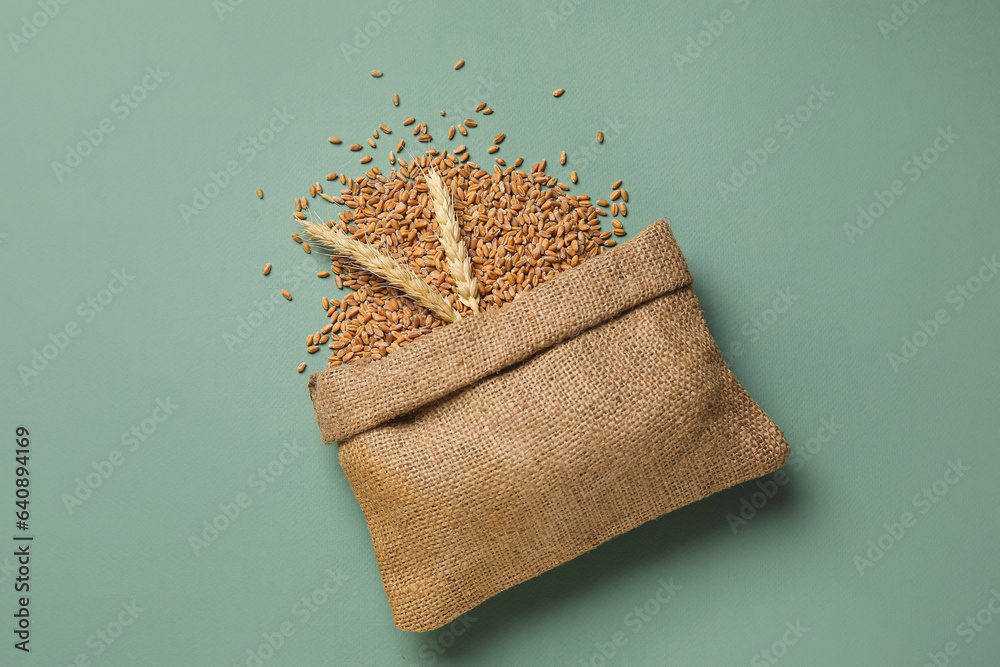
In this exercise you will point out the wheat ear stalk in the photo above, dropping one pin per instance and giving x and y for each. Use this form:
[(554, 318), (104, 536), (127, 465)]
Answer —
[(383, 266), (450, 236)]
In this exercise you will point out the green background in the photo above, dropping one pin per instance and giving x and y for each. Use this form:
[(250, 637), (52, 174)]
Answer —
[(675, 130)]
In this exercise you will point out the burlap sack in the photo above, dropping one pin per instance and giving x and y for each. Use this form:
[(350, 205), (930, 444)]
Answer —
[(500, 446)]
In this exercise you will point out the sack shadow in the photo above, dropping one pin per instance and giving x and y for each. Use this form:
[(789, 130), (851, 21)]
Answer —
[(571, 584)]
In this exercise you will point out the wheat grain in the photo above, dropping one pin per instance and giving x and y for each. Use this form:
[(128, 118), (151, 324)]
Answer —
[(383, 266), (449, 233)]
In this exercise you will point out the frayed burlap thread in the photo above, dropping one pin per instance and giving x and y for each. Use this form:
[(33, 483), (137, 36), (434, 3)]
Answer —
[(505, 444)]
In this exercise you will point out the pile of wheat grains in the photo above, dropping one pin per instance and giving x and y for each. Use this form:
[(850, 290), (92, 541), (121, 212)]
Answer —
[(521, 228)]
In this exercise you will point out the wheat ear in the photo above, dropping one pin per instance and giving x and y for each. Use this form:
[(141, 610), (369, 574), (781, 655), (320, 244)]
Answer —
[(383, 266), (450, 236)]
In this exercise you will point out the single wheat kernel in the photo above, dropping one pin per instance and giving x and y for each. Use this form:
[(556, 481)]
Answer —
[(356, 147), (400, 145), (493, 149), (558, 92), (614, 208), (624, 194), (376, 73), (616, 223), (480, 106), (375, 134), (331, 176), (603, 202), (460, 149), (619, 232), (623, 209), (487, 112), (573, 177), (302, 366), (441, 112), (328, 198), (335, 140), (499, 138), (562, 158), (285, 294), (260, 193), (312, 190), (600, 211), (459, 64), (300, 215), (617, 184), (371, 142), (541, 165), (296, 237), (322, 274), (600, 137), (392, 158), (312, 349), (470, 122), (518, 162), (615, 194), (385, 128), (395, 100), (306, 248), (424, 138), (500, 161), (309, 340), (267, 269), (461, 130), (409, 121), (366, 159), (451, 132)]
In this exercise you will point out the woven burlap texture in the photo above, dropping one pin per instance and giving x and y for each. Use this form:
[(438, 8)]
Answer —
[(503, 445)]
